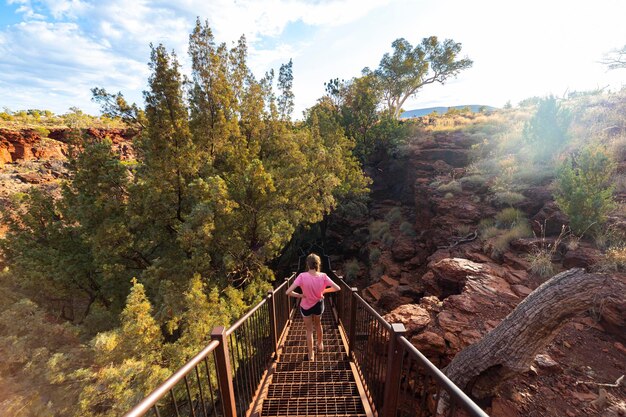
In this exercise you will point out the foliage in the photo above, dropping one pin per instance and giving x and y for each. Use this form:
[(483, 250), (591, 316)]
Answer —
[(616, 59), (374, 255), (584, 191), (351, 269), (394, 215), (377, 229), (452, 187), (614, 260), (409, 68), (285, 86), (509, 217), (500, 243), (221, 182), (546, 131), (407, 229), (509, 198)]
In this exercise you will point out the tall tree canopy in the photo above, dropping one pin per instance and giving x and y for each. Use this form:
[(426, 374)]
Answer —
[(409, 68), (221, 182)]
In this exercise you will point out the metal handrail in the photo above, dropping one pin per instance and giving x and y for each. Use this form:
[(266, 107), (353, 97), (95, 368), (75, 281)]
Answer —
[(373, 312), (398, 347), (161, 391), (454, 391), (246, 316), (230, 363)]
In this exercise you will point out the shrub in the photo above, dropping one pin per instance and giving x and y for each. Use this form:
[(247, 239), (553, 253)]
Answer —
[(407, 229), (509, 217), (43, 132), (541, 263), (546, 131), (374, 255), (509, 198), (489, 231), (377, 229), (452, 187), (351, 269), (387, 240), (463, 229), (394, 215), (501, 243), (614, 260), (448, 196), (584, 189), (473, 181)]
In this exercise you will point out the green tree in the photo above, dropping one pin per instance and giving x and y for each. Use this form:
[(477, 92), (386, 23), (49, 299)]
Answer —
[(285, 87), (616, 59), (546, 131), (585, 190), (115, 106), (403, 73), (129, 361)]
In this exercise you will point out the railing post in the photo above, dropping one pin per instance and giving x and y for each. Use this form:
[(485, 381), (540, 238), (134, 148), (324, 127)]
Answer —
[(224, 373), (273, 333), (288, 298), (394, 368), (352, 334)]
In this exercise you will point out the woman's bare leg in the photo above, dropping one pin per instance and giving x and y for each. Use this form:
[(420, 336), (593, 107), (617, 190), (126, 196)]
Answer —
[(317, 320), (308, 322)]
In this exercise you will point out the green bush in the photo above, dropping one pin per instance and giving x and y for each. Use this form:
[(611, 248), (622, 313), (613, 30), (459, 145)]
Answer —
[(509, 198), (351, 269), (452, 187), (501, 242), (407, 229), (374, 255), (394, 215), (546, 131), (378, 229), (43, 132), (541, 263), (584, 189), (509, 217), (489, 231), (473, 181), (387, 240)]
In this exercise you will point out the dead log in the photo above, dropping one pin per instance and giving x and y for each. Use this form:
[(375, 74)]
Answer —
[(511, 347)]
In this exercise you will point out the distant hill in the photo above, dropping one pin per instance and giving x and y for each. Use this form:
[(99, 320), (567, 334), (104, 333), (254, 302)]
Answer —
[(441, 110)]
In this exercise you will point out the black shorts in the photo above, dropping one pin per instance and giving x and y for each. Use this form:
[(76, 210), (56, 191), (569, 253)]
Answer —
[(316, 310)]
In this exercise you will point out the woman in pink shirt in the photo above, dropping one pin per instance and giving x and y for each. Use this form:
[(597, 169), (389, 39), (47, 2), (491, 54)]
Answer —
[(314, 285)]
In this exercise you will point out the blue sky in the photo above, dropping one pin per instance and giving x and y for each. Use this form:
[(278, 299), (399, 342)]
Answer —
[(52, 52)]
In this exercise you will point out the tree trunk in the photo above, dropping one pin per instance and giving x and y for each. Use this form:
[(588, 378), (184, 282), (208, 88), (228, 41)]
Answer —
[(511, 347)]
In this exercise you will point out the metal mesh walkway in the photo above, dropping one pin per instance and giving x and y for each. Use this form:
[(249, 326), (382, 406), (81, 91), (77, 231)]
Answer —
[(325, 387)]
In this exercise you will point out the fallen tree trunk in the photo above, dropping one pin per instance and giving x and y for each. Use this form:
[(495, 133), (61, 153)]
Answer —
[(511, 347)]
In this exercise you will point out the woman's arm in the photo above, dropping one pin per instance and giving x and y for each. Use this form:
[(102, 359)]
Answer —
[(333, 288), (290, 292)]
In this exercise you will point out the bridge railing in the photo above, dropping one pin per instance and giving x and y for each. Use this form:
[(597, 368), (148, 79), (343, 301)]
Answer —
[(398, 379), (222, 380)]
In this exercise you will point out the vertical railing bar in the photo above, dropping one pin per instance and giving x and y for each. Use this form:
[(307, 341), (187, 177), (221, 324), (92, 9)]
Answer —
[(245, 369), (191, 408), (248, 366), (208, 376), (175, 403), (249, 355), (156, 410), (201, 393), (257, 347), (234, 358), (238, 370)]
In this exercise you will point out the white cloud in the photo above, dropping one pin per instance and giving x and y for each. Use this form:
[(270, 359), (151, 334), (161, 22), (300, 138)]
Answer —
[(65, 47), (62, 64)]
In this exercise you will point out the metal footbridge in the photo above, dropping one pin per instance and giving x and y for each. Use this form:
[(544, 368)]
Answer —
[(257, 368)]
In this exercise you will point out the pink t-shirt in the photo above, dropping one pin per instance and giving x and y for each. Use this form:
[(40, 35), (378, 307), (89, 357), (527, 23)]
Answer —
[(312, 287)]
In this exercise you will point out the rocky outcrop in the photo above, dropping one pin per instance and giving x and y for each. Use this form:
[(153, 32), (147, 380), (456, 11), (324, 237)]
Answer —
[(41, 145)]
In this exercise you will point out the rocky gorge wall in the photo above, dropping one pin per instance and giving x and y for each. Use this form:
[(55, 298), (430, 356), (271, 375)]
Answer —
[(449, 289)]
